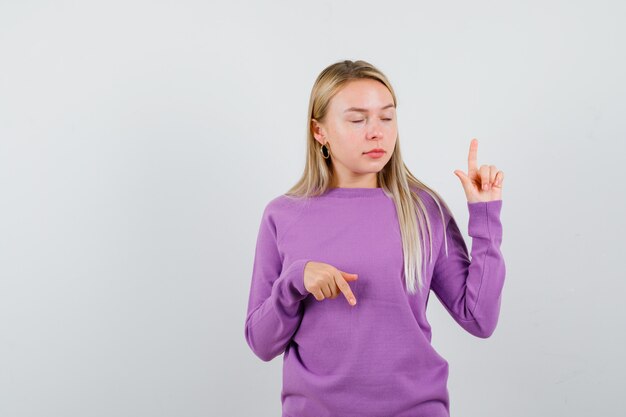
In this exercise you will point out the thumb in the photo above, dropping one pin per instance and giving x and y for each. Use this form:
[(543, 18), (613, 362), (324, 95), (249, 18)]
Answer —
[(348, 276), (465, 180)]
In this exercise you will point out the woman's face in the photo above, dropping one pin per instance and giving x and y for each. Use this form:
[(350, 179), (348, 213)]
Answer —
[(361, 117)]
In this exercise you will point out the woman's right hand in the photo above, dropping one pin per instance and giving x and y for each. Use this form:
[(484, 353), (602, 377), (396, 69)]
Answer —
[(325, 281)]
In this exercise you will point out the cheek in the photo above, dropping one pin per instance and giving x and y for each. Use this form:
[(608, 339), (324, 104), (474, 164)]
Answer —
[(351, 147), (348, 139), (346, 130)]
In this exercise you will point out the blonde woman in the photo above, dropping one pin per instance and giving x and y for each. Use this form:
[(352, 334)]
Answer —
[(346, 259)]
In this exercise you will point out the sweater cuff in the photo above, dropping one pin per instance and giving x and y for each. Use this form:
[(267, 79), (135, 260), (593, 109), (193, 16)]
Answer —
[(294, 275), (483, 215)]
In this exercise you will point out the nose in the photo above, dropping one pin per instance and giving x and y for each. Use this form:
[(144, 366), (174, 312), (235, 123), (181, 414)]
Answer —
[(374, 131)]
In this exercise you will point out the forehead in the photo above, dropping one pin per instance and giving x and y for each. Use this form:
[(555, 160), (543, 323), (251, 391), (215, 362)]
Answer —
[(364, 96)]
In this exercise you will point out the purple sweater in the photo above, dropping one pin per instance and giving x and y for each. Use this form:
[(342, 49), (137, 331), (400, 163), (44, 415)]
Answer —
[(375, 358)]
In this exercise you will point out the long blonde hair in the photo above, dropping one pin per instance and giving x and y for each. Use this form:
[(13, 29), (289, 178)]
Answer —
[(395, 178)]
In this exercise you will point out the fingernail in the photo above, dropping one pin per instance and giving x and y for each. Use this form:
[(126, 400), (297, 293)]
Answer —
[(484, 186), (352, 301)]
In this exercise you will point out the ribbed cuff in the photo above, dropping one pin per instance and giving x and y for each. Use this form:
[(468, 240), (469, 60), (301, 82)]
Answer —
[(294, 274), (484, 217)]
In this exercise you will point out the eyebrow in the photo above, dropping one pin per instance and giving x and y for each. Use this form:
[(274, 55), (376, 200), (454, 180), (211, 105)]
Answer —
[(359, 109)]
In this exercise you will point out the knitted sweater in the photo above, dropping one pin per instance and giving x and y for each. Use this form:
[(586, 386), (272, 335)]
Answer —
[(373, 359)]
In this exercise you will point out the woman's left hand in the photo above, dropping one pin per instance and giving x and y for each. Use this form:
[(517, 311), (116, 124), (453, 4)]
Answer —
[(484, 184)]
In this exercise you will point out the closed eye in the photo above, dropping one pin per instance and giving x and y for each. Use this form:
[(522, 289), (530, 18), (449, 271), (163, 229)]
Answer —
[(359, 121)]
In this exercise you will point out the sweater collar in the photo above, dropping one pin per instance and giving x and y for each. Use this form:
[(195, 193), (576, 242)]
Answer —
[(351, 192)]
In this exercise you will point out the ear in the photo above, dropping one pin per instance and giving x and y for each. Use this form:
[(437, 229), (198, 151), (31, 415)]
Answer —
[(318, 131)]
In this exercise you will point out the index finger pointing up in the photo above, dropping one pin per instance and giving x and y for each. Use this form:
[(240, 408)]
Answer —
[(472, 165)]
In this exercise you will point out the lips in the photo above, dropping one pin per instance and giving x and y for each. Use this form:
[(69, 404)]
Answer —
[(377, 150)]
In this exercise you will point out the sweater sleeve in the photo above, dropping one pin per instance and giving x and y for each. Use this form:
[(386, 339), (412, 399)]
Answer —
[(471, 290), (276, 290)]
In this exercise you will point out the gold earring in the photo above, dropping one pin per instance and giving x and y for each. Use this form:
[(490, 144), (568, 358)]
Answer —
[(325, 151)]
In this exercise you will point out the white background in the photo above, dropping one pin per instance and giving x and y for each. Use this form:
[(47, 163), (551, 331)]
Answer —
[(140, 141)]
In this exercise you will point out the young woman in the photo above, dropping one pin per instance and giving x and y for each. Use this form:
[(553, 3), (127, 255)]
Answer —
[(346, 259)]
